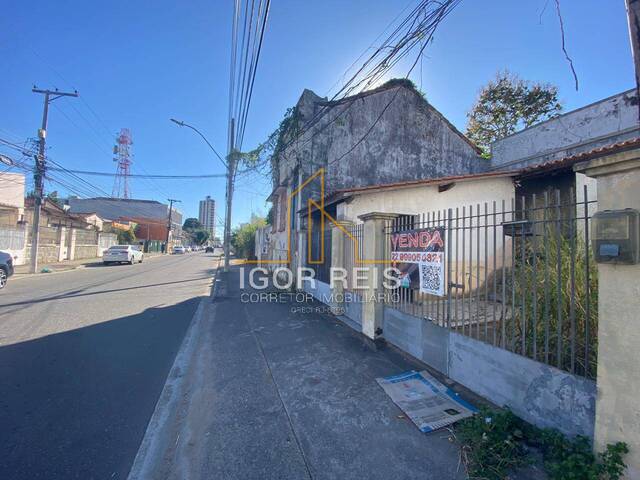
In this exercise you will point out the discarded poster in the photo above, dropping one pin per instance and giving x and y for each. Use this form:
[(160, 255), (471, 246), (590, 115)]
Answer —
[(429, 404)]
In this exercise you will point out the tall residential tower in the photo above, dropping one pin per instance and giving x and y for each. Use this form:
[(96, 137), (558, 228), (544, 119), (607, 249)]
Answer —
[(207, 215)]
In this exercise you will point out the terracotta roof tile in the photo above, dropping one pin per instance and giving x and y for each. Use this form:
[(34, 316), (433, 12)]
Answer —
[(579, 157)]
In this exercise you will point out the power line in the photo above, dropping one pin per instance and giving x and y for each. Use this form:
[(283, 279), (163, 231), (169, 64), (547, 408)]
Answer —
[(417, 29), (149, 176)]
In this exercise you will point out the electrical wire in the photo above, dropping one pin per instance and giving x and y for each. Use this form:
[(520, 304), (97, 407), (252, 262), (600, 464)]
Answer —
[(418, 27)]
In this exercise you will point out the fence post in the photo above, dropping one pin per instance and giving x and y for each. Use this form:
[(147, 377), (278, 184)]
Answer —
[(373, 251), (338, 244), (62, 241), (98, 247), (72, 245), (618, 382)]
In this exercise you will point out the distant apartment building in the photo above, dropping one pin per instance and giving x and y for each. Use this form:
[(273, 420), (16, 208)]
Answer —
[(207, 215)]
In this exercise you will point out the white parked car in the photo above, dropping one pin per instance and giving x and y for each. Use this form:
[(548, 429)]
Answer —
[(122, 254), (178, 250)]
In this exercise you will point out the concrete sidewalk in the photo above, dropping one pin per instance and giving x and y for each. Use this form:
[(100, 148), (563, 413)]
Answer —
[(260, 391)]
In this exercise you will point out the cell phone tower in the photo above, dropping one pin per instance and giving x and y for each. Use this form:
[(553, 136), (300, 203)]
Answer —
[(123, 158)]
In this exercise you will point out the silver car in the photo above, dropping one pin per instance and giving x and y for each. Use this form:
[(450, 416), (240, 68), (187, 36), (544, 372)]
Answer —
[(122, 254)]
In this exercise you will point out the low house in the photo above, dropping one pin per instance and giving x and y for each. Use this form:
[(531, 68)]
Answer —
[(545, 153), (53, 214), (149, 216), (506, 292)]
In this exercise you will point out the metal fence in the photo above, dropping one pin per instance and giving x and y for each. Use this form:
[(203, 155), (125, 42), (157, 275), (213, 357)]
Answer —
[(353, 251), (519, 275)]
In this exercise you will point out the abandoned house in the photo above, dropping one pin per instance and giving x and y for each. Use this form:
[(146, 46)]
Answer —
[(385, 135)]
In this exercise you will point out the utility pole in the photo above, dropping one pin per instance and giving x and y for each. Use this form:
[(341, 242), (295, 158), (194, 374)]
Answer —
[(39, 171), (231, 165), (171, 202)]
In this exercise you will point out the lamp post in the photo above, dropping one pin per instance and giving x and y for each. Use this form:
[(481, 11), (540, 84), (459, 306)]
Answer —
[(229, 189)]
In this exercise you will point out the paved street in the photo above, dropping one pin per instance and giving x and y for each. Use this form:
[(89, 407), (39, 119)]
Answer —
[(84, 356)]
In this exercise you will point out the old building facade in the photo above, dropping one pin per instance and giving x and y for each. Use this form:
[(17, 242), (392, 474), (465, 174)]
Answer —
[(381, 136)]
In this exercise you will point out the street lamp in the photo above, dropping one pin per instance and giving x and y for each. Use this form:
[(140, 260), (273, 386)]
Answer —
[(229, 191), (182, 124)]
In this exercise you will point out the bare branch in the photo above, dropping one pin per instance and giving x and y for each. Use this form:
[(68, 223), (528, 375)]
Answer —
[(564, 49)]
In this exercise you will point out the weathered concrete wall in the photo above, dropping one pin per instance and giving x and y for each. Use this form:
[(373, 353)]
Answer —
[(396, 133), (608, 121), (320, 291), (353, 309), (540, 394), (618, 407), (85, 251), (418, 337), (47, 253), (411, 141)]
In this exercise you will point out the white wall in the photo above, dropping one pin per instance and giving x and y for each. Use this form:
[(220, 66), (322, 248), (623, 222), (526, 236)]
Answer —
[(426, 198), (12, 190)]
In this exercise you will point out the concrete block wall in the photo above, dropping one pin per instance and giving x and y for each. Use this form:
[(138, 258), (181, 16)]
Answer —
[(538, 393), (608, 121)]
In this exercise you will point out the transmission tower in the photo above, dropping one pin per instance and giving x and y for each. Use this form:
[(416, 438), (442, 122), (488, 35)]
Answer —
[(123, 158)]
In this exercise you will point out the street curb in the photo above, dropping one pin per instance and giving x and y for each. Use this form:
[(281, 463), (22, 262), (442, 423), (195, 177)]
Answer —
[(155, 442), (83, 266)]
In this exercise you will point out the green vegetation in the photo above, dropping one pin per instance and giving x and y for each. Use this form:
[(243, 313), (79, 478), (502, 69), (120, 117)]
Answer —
[(507, 104), (195, 232), (496, 442), (557, 296), (127, 237), (243, 238)]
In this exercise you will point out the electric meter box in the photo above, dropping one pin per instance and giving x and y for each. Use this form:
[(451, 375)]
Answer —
[(616, 236)]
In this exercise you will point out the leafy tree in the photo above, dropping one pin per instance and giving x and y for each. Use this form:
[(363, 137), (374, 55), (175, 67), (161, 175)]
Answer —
[(270, 220), (507, 104), (191, 224), (243, 238), (200, 236), (126, 237)]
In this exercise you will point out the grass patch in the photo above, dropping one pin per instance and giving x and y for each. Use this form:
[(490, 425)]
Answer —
[(496, 442)]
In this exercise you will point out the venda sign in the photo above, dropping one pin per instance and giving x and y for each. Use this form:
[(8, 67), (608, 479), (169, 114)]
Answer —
[(424, 247)]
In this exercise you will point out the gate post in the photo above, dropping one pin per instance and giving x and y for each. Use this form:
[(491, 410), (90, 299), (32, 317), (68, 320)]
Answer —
[(71, 254), (618, 382), (373, 249), (338, 242), (62, 243)]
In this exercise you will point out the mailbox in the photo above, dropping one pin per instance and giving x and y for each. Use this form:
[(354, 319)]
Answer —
[(615, 236)]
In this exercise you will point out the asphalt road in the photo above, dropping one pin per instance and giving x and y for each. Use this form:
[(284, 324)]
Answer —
[(84, 356)]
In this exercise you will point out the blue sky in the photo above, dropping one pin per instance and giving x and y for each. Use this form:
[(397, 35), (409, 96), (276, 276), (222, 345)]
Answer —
[(136, 64)]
